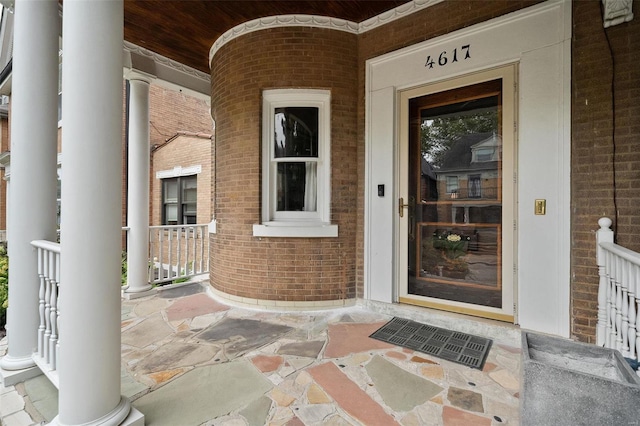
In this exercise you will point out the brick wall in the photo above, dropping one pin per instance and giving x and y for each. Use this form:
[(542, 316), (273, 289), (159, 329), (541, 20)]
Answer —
[(284, 269), (592, 170), (431, 22)]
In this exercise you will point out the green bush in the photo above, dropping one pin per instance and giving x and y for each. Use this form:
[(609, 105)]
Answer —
[(124, 268), (4, 284)]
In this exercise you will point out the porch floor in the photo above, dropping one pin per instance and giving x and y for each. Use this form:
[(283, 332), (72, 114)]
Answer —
[(189, 359)]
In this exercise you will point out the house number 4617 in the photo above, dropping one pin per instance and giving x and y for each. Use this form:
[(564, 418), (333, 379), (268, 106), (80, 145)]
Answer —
[(445, 58)]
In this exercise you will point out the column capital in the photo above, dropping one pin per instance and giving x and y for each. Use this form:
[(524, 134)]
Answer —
[(137, 75)]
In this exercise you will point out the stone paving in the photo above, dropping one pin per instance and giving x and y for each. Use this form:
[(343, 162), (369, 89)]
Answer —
[(191, 360)]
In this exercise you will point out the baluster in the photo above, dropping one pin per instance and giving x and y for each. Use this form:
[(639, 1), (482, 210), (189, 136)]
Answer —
[(54, 310), (201, 263), (192, 263), (619, 304), (608, 327), (178, 250), (187, 237), (603, 235), (57, 348), (41, 328), (633, 286), (171, 273), (151, 251), (624, 287), (160, 250), (47, 307)]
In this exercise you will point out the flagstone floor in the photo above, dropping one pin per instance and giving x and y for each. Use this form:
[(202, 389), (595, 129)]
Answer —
[(189, 359)]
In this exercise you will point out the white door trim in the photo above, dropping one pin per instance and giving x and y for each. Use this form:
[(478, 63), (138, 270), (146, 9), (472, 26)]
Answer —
[(539, 39)]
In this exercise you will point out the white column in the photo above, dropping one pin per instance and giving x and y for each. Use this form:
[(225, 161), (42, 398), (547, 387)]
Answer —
[(33, 166), (89, 358), (138, 190)]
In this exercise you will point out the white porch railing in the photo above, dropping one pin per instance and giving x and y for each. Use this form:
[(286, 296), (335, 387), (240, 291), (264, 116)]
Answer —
[(178, 252), (618, 298), (46, 356)]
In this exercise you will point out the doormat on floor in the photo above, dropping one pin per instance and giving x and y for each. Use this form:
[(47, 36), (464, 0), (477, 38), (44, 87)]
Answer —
[(461, 348)]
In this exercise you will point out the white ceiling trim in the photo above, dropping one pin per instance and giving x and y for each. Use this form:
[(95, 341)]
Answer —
[(319, 22), (141, 63)]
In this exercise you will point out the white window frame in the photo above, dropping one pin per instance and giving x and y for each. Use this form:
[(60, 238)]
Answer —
[(296, 224)]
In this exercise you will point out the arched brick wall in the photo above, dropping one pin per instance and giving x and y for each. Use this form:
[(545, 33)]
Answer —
[(282, 269)]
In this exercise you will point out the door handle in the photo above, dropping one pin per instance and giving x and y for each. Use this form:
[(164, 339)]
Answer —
[(401, 206)]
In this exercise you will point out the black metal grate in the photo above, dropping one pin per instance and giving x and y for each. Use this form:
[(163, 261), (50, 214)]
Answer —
[(461, 348)]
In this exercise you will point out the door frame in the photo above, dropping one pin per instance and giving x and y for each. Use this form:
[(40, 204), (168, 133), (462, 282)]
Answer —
[(544, 151), (508, 75)]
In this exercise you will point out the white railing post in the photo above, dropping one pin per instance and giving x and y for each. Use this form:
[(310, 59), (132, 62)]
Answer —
[(49, 272), (53, 337), (41, 296), (604, 234)]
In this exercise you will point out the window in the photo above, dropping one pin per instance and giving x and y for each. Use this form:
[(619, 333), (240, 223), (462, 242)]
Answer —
[(296, 164), (452, 184), (179, 200), (474, 186)]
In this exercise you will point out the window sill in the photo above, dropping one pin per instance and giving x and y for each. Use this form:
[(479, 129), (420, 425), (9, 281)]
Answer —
[(295, 230)]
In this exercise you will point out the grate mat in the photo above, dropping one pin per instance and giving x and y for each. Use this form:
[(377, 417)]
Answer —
[(461, 348)]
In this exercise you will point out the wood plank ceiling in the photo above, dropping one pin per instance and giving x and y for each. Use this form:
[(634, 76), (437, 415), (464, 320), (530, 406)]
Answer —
[(184, 30)]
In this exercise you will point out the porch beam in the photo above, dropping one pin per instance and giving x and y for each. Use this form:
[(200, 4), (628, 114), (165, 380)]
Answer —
[(32, 205)]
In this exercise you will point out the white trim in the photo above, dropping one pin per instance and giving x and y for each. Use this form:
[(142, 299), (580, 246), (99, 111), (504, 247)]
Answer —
[(179, 171), (314, 21), (141, 63), (295, 230), (543, 140), (296, 224)]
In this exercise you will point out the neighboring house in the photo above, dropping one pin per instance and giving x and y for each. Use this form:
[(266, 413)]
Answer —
[(315, 165)]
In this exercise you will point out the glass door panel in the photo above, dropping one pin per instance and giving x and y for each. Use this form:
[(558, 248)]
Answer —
[(455, 195)]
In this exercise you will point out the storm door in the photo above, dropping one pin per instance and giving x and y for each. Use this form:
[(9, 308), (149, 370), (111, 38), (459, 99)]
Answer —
[(454, 206)]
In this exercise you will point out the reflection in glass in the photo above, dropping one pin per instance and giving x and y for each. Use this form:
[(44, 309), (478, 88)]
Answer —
[(296, 132), (455, 244), (296, 138)]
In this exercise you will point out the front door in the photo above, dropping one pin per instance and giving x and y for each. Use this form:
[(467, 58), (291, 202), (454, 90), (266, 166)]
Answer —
[(457, 210)]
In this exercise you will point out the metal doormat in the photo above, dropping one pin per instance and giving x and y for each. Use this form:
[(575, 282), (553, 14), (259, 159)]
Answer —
[(461, 348)]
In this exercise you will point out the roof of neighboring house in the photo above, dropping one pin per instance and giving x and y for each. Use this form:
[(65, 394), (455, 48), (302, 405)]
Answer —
[(460, 155), (177, 136)]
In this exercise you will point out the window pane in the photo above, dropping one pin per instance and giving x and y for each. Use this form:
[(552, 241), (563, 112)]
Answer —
[(296, 132), (170, 190), (189, 208), (297, 185), (171, 214), (474, 186), (452, 184)]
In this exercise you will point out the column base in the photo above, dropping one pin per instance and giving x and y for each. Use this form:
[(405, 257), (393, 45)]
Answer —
[(14, 376), (123, 415), (146, 291)]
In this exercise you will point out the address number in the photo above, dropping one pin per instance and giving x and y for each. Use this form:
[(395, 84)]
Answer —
[(444, 58)]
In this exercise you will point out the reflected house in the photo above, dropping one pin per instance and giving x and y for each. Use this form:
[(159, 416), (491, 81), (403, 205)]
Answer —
[(469, 177), (461, 218)]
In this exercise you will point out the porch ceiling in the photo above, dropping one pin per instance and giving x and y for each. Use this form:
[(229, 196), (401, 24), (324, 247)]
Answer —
[(185, 30)]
